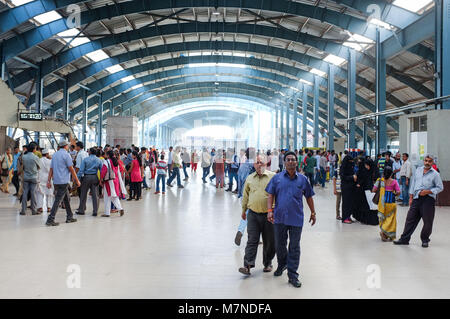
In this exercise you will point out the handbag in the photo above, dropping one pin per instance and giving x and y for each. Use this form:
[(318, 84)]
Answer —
[(376, 197)]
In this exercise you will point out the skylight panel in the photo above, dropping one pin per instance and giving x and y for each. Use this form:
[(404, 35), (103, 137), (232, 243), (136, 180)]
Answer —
[(67, 36), (137, 86), (358, 38), (318, 72), (128, 78), (306, 82), (18, 3), (47, 17), (97, 55), (334, 60), (114, 68), (412, 5)]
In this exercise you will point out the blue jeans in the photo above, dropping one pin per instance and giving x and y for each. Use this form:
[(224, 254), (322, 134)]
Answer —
[(323, 175), (205, 172), (290, 258), (232, 175), (405, 191), (175, 172), (243, 224), (161, 177), (144, 180), (331, 171), (317, 177), (184, 170)]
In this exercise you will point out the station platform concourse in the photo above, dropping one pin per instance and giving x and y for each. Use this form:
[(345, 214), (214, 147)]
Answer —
[(181, 245)]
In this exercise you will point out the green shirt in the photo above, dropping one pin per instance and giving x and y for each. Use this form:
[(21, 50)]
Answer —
[(310, 165)]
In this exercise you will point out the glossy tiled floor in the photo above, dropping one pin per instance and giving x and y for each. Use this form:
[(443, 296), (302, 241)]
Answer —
[(181, 246)]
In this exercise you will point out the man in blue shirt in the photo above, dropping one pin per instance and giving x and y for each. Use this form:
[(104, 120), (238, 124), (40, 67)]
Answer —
[(287, 189), (425, 184), (89, 181), (15, 168), (61, 168)]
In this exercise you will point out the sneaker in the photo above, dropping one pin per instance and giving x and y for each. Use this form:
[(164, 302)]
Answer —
[(279, 271), (79, 213), (52, 223), (180, 186), (400, 242), (295, 282), (169, 185), (157, 192), (237, 239), (71, 220), (22, 213)]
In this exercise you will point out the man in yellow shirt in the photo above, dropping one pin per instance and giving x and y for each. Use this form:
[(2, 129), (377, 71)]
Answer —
[(255, 200)]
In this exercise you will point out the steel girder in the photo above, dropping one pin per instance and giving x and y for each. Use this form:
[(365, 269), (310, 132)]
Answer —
[(254, 84), (80, 75), (100, 84), (50, 65)]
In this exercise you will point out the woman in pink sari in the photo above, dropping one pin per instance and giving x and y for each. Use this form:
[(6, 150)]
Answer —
[(114, 187)]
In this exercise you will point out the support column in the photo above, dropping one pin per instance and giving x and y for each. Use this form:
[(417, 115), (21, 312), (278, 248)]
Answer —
[(305, 116), (331, 107), (381, 136), (38, 99), (287, 125), (351, 98), (276, 125), (281, 126), (316, 111), (259, 130), (65, 101), (365, 136), (100, 120), (442, 51), (84, 118), (296, 96)]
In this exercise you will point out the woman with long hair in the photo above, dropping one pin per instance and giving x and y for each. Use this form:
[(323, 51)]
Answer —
[(387, 208), (114, 188), (136, 176)]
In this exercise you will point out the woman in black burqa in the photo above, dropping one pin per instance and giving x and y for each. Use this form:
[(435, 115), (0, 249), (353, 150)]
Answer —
[(364, 182), (348, 187)]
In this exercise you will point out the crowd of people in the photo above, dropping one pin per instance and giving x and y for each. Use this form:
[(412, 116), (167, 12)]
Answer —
[(270, 183)]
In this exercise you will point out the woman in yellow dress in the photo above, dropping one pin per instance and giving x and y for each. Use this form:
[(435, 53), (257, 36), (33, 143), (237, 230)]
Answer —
[(387, 208)]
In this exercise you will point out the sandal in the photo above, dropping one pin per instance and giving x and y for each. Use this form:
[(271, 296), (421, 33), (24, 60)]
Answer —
[(338, 217), (347, 221)]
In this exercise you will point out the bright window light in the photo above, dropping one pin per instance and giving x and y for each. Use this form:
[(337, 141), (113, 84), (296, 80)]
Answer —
[(195, 53), (114, 68), (306, 82), (334, 59), (358, 38), (380, 23), (72, 33), (47, 17), (318, 72), (239, 54), (128, 78), (412, 5), (228, 65), (18, 3), (137, 86), (97, 55)]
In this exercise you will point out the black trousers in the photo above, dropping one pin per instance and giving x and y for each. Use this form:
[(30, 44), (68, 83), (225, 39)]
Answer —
[(61, 195), (15, 181), (90, 182), (421, 208), (348, 200), (257, 224), (135, 190)]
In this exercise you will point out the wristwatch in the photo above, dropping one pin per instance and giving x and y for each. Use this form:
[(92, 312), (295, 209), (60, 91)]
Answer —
[(313, 213)]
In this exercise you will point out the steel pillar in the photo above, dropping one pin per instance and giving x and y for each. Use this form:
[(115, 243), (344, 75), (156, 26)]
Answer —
[(65, 101), (331, 107), (84, 118), (276, 125), (38, 98), (442, 51), (364, 135), (305, 116), (380, 93), (351, 98), (287, 125), (316, 111), (295, 127), (100, 120), (281, 127)]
